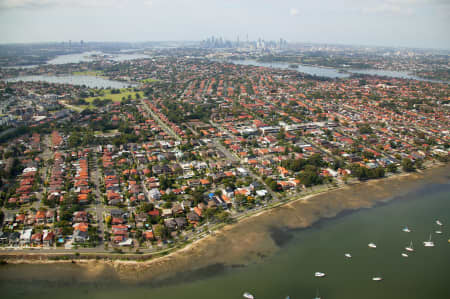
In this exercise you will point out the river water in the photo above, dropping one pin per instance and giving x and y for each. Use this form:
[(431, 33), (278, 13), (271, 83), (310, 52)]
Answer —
[(95, 82), (89, 81), (393, 74), (311, 70), (334, 72), (290, 271), (87, 56)]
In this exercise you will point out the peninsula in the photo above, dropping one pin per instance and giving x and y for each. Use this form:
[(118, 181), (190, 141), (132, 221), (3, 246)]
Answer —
[(188, 145)]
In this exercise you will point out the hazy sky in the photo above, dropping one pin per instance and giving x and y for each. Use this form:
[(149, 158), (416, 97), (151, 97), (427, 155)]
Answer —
[(412, 23)]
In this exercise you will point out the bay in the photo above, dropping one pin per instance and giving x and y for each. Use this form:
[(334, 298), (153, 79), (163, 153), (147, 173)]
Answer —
[(311, 70), (331, 72), (89, 81), (424, 274), (88, 56), (393, 74)]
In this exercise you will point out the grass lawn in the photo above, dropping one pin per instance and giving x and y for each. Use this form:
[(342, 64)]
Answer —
[(88, 73), (107, 133), (149, 80), (75, 108), (124, 92)]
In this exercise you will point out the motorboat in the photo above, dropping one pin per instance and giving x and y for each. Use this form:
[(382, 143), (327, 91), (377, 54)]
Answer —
[(439, 232), (438, 223), (319, 274), (248, 295), (348, 255), (377, 278), (372, 245), (406, 229), (404, 255)]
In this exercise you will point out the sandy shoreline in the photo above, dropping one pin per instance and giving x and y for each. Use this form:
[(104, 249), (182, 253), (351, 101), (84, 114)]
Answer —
[(252, 239)]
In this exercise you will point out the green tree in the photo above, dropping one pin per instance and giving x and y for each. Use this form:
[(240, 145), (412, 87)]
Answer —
[(392, 168), (407, 165), (145, 207), (273, 184), (310, 176), (365, 129), (419, 163), (224, 217), (160, 231)]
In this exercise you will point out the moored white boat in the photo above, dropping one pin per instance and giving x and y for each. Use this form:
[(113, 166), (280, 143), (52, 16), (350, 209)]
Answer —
[(409, 247), (248, 295), (319, 274), (377, 278), (404, 254), (428, 243), (439, 232), (372, 245), (348, 255), (406, 229), (438, 223)]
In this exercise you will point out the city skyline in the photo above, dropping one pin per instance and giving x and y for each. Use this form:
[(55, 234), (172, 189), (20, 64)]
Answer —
[(395, 23)]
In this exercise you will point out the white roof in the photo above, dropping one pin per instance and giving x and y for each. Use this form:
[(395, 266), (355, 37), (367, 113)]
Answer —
[(29, 169), (26, 234), (128, 242), (261, 193), (154, 191)]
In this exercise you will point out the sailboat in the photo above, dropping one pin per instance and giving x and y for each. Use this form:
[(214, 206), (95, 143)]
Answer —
[(406, 229), (428, 243), (409, 247)]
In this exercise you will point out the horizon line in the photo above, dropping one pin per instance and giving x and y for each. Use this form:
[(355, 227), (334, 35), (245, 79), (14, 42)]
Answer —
[(198, 41)]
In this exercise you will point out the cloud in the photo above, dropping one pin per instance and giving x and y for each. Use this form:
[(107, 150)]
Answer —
[(34, 4), (403, 7), (294, 12), (26, 3), (388, 9), (393, 8), (411, 2)]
